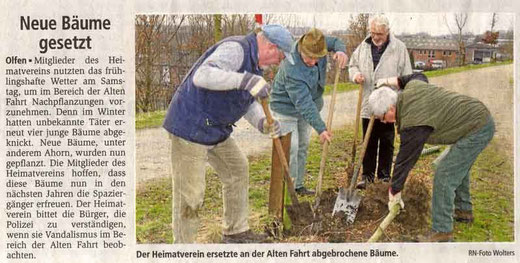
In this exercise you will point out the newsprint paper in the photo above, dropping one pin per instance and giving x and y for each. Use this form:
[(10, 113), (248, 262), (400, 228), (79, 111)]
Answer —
[(82, 179)]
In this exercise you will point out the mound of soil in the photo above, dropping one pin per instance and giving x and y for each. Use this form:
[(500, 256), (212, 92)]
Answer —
[(411, 221)]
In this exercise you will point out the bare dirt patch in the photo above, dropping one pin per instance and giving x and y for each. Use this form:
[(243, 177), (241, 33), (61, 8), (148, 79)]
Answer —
[(412, 221)]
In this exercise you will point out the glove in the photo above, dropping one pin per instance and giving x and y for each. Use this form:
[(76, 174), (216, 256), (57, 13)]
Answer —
[(389, 82), (273, 130), (394, 199), (256, 85)]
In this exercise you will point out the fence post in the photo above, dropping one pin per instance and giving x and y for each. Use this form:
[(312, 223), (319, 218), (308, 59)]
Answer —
[(276, 188)]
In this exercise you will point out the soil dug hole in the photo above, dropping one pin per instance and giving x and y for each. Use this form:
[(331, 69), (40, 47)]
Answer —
[(411, 221)]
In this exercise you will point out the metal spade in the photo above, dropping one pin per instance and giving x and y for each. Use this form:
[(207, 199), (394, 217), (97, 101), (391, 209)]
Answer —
[(348, 199)]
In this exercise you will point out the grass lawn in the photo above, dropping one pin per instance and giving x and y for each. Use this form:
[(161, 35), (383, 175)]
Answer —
[(492, 195), (491, 183), (446, 71), (149, 119), (342, 87), (155, 119)]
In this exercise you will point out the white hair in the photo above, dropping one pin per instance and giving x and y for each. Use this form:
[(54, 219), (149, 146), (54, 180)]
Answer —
[(381, 99), (380, 20)]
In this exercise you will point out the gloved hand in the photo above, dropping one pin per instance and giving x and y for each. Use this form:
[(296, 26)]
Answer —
[(273, 130), (394, 199), (256, 85), (390, 82)]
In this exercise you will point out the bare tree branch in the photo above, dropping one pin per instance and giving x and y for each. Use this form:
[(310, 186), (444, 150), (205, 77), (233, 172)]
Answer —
[(154, 39), (460, 20), (494, 20)]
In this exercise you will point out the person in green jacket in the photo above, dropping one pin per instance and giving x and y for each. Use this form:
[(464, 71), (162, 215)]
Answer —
[(296, 98), (424, 113)]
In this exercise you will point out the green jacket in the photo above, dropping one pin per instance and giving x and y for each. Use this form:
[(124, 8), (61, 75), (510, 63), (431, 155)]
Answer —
[(298, 89), (451, 115)]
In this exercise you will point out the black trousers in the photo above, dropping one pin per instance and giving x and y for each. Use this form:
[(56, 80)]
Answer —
[(382, 137)]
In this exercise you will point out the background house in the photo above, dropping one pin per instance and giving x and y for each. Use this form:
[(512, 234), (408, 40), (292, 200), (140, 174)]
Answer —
[(431, 51), (479, 52)]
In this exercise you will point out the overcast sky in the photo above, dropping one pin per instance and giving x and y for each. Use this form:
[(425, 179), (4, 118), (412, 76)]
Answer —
[(432, 23)]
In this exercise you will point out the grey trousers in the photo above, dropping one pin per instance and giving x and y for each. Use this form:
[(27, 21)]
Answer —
[(189, 169), (300, 140), (451, 183)]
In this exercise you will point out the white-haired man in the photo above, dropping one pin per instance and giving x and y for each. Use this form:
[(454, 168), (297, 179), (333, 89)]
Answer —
[(220, 88), (380, 55), (423, 114)]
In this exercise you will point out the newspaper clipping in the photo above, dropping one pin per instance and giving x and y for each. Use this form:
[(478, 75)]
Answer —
[(67, 118), (232, 131)]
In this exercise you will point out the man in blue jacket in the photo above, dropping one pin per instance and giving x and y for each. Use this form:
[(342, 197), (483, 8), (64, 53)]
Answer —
[(220, 88), (296, 100)]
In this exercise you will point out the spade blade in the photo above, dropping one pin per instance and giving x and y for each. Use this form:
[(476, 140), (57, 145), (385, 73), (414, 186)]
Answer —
[(347, 203)]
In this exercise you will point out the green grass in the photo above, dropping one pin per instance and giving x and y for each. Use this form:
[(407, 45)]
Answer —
[(491, 187), (446, 71), (149, 119), (492, 195), (342, 87), (154, 211)]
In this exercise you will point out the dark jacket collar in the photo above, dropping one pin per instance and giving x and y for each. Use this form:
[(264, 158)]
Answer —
[(251, 38)]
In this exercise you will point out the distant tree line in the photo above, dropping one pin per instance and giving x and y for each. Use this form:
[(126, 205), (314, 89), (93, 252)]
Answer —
[(166, 46)]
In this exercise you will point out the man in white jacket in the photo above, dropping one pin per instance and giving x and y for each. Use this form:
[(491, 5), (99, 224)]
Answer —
[(379, 56)]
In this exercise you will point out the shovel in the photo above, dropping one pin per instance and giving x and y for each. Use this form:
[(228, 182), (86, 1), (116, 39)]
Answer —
[(350, 168), (356, 129), (297, 211), (348, 199), (325, 149)]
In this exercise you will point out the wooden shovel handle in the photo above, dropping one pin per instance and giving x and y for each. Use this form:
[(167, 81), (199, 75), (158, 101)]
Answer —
[(325, 149), (356, 125), (362, 153), (281, 156), (333, 98)]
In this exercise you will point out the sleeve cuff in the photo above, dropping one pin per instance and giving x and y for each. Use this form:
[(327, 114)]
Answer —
[(393, 191)]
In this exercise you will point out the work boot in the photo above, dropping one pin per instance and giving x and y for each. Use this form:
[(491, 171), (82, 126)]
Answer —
[(245, 237), (383, 176), (385, 179), (463, 216), (304, 191), (362, 185), (434, 236)]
